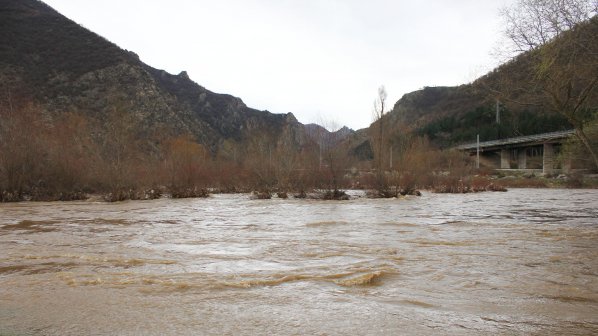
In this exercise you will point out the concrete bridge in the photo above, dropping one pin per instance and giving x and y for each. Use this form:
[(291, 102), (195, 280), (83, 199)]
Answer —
[(532, 152)]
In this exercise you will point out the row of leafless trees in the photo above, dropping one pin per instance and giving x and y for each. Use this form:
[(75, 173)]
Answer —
[(63, 157), (68, 156)]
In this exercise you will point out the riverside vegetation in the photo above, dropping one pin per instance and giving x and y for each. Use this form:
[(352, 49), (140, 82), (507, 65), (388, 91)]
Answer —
[(71, 157), (46, 157)]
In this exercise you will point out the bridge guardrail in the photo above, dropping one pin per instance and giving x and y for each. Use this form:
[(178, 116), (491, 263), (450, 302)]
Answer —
[(518, 140)]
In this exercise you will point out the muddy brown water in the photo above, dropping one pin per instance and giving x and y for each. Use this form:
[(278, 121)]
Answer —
[(523, 262)]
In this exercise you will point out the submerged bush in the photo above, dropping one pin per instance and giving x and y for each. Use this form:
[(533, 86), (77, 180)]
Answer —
[(452, 185), (190, 192), (337, 195), (261, 195), (131, 194)]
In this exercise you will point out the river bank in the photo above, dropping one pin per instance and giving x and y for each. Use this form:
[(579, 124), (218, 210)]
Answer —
[(499, 181), (560, 181)]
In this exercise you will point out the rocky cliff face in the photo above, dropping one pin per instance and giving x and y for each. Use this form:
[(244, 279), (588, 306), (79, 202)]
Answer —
[(51, 60)]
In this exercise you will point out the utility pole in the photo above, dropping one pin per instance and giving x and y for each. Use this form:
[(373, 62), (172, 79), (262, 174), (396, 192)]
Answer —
[(498, 111), (498, 136), (320, 166), (477, 163)]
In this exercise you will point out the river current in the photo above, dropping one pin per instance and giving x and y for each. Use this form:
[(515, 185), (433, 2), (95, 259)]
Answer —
[(524, 262)]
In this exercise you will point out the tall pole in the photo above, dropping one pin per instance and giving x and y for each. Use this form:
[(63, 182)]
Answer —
[(320, 166), (497, 111), (477, 163), (498, 119)]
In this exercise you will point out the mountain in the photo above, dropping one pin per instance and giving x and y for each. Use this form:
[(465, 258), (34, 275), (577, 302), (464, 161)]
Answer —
[(508, 101), (453, 115), (529, 94), (52, 61), (56, 63)]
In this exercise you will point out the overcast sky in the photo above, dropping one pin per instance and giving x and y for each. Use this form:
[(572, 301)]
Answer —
[(323, 60)]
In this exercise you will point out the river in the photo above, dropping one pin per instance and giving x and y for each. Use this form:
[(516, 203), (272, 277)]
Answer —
[(514, 263)]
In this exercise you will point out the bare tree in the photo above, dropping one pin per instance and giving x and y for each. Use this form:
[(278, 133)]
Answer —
[(333, 159), (184, 163), (259, 161), (378, 114), (533, 23), (22, 150), (558, 68), (380, 142), (284, 160)]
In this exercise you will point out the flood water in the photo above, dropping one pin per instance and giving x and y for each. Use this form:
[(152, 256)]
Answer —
[(514, 263)]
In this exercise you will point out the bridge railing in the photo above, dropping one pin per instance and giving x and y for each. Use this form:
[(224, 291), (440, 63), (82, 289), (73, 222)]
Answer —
[(518, 140)]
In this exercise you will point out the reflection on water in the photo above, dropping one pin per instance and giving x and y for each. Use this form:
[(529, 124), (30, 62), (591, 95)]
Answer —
[(521, 262)]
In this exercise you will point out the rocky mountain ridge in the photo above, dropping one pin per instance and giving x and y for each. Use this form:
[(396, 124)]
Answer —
[(51, 60)]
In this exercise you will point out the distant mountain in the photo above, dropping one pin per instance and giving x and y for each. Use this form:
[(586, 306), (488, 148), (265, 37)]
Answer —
[(51, 60), (341, 133), (344, 132)]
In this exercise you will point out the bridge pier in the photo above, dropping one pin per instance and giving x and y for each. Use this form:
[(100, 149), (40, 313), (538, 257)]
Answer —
[(548, 159), (522, 158), (518, 148), (505, 159), (567, 164)]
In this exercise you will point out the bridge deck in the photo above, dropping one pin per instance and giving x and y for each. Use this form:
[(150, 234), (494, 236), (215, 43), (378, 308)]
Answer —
[(528, 139)]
